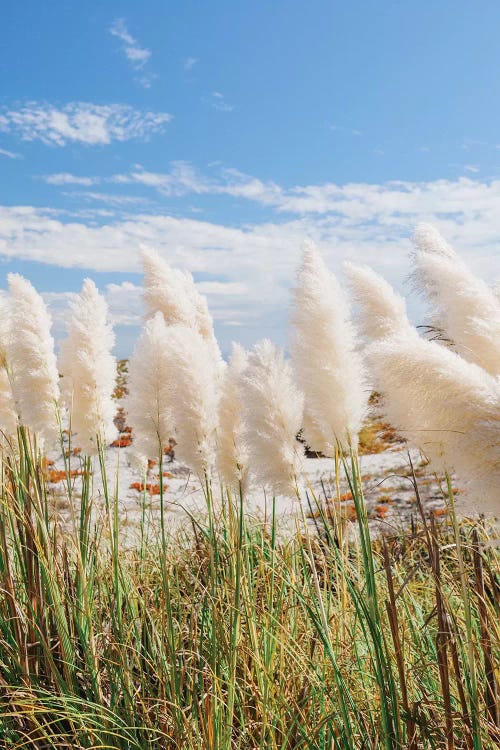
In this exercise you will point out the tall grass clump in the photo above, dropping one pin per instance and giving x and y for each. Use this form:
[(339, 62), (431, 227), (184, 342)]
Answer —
[(385, 668)]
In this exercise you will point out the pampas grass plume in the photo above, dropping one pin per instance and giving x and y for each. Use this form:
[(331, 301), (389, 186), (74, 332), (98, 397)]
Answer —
[(167, 290), (273, 409), (429, 240), (464, 305), (173, 293), (232, 454), (89, 369), (31, 358), (149, 404), (331, 374), (448, 407), (194, 392), (382, 311)]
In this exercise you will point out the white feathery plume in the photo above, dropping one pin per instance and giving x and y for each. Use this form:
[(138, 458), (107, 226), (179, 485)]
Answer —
[(31, 358), (8, 415), (429, 240), (331, 375), (464, 305), (167, 290), (89, 369), (173, 292), (382, 311), (149, 403), (448, 407), (272, 410), (194, 393), (232, 454)]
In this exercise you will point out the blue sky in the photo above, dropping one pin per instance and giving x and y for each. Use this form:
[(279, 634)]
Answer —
[(224, 133)]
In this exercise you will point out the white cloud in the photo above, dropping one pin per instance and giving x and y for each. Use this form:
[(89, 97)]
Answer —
[(136, 54), (353, 202), (361, 221), (471, 168), (81, 122), (125, 303), (65, 178), (9, 154), (218, 102), (112, 199), (190, 62), (251, 267), (181, 180), (224, 288)]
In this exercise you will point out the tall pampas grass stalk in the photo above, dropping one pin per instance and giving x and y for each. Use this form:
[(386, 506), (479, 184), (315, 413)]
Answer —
[(448, 407), (464, 305), (382, 312), (232, 453), (174, 294), (331, 375), (273, 408), (149, 403), (32, 361), (89, 369), (194, 394)]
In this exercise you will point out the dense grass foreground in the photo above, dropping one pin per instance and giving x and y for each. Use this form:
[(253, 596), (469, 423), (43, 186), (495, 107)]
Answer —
[(230, 639)]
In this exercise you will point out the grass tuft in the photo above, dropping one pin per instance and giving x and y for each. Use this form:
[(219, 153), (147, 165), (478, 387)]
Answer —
[(230, 638)]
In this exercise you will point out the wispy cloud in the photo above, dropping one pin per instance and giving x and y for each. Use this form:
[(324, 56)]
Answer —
[(358, 219), (181, 180), (472, 168), (80, 122), (65, 178), (218, 102), (189, 63), (110, 199), (137, 55), (9, 154), (363, 222), (352, 199)]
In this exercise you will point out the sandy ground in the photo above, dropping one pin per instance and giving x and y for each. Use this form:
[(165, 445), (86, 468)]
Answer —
[(388, 490)]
